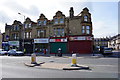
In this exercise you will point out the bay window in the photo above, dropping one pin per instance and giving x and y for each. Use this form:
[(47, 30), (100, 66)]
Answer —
[(83, 29), (87, 29)]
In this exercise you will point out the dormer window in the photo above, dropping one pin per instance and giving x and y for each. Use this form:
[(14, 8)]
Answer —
[(44, 22), (26, 25), (39, 22), (61, 20), (85, 18), (55, 21), (29, 25)]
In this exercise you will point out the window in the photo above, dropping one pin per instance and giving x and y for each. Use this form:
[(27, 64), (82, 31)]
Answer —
[(56, 21), (27, 34), (83, 29), (45, 22), (30, 35), (26, 25), (41, 33), (39, 22), (62, 32), (17, 27), (24, 34), (15, 36), (61, 20), (14, 27), (87, 29), (29, 25), (59, 32), (85, 18)]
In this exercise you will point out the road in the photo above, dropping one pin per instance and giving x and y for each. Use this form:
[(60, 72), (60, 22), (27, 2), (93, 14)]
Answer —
[(13, 67)]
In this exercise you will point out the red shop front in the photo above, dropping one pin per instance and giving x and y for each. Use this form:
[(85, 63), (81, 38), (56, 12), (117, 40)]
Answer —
[(80, 44)]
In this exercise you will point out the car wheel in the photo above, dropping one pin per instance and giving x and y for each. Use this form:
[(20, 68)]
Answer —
[(8, 54)]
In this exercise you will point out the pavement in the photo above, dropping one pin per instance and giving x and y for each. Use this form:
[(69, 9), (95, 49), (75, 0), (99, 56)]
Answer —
[(58, 66), (13, 67), (62, 66)]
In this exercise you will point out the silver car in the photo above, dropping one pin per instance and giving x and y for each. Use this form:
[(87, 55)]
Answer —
[(15, 53), (2, 52)]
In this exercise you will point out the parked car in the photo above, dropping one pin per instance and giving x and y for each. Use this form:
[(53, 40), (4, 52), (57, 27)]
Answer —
[(2, 52), (19, 53), (107, 51), (15, 53)]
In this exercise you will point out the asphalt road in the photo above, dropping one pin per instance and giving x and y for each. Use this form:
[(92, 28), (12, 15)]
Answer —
[(13, 67)]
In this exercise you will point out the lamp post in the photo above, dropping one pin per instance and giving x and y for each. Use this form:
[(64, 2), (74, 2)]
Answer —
[(23, 31)]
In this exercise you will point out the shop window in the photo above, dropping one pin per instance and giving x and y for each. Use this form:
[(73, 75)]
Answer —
[(85, 18)]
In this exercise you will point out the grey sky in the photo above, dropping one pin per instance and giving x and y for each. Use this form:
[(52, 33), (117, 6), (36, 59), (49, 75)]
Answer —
[(33, 8)]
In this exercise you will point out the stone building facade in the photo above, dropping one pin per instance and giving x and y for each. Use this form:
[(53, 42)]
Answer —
[(60, 32)]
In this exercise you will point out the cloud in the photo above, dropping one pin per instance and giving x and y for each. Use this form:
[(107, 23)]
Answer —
[(103, 29), (16, 7)]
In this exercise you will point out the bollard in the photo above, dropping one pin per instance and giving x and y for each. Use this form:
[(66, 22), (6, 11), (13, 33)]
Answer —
[(33, 58), (74, 60)]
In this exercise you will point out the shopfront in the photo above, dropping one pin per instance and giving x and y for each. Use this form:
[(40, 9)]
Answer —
[(5, 46), (56, 43), (41, 44), (28, 46), (80, 44), (14, 45)]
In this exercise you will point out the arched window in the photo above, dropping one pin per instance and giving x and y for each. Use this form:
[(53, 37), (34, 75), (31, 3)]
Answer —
[(85, 18)]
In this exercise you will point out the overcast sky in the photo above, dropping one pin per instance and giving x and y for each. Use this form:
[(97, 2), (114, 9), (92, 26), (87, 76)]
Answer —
[(104, 12)]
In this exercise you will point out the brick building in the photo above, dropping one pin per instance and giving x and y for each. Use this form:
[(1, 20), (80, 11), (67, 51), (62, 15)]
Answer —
[(71, 34)]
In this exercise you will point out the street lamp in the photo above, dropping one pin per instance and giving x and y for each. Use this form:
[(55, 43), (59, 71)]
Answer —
[(23, 30)]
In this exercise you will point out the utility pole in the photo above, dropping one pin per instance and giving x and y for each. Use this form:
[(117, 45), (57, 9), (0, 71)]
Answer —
[(23, 31)]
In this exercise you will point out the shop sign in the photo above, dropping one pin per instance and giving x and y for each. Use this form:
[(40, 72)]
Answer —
[(13, 43), (42, 40), (58, 40), (80, 38), (27, 42)]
